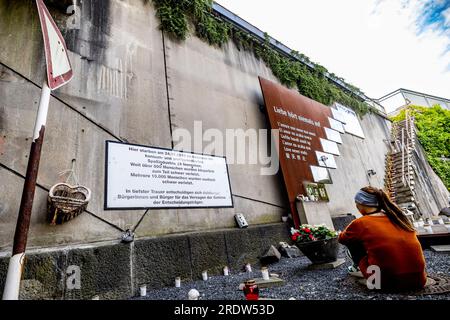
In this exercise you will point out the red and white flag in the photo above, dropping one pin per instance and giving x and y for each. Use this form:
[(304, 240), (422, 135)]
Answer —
[(59, 69)]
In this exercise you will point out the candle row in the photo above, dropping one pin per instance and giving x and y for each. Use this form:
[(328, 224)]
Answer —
[(226, 272)]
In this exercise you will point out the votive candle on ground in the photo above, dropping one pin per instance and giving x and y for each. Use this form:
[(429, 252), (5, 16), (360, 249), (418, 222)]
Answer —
[(205, 275), (177, 282), (248, 267), (226, 271), (265, 273), (193, 294), (143, 290)]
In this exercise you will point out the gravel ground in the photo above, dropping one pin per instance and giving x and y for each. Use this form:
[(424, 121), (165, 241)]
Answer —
[(300, 283)]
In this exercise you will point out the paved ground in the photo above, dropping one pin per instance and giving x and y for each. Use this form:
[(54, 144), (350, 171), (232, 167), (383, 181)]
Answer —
[(301, 283)]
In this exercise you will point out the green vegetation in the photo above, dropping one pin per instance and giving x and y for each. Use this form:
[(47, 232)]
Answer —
[(176, 15), (433, 126)]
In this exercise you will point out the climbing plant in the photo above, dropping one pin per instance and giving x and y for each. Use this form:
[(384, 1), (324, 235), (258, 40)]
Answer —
[(433, 131), (176, 15)]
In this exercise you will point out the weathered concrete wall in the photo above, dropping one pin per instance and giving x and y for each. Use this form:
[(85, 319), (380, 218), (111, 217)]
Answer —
[(114, 270), (119, 92), (134, 84), (430, 192)]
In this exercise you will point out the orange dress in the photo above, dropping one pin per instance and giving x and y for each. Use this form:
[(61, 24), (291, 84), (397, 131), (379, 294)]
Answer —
[(396, 251)]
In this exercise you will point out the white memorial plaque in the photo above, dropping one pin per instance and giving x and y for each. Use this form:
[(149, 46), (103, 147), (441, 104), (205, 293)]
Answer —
[(333, 135), (329, 146), (320, 175), (336, 125), (338, 115), (351, 121), (139, 177), (326, 160)]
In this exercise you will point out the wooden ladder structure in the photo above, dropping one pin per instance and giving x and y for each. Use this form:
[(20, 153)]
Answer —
[(399, 178)]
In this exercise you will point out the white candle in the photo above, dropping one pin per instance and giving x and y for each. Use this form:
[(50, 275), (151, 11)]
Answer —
[(248, 267), (205, 275), (284, 218), (225, 271), (193, 294), (143, 290), (177, 282), (265, 273), (440, 221)]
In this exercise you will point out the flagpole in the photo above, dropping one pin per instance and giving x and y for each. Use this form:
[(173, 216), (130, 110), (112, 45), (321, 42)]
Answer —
[(16, 263)]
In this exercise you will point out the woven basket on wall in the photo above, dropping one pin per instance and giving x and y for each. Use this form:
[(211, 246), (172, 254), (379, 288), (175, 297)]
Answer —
[(66, 202)]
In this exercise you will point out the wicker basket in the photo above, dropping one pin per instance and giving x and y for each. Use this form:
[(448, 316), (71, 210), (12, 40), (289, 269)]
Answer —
[(66, 202)]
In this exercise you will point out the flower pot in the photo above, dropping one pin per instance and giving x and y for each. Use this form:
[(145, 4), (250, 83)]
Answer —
[(320, 251)]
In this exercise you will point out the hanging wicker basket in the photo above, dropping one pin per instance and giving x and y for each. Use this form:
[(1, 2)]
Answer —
[(66, 202)]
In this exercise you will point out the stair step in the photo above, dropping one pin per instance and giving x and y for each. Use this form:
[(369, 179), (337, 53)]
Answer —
[(400, 168), (398, 176), (401, 159), (401, 200), (399, 185), (407, 204), (398, 154), (401, 172), (403, 194), (403, 189)]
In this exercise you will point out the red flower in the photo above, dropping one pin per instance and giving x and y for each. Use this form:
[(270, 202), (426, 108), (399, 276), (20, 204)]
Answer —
[(311, 237), (307, 230), (294, 237)]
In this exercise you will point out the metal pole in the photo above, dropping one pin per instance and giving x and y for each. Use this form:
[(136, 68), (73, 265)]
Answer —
[(403, 156), (16, 263)]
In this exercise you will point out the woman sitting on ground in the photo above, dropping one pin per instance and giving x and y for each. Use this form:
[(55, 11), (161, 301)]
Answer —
[(385, 237)]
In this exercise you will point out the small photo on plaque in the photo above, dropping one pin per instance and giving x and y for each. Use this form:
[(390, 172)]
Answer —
[(326, 160), (317, 190)]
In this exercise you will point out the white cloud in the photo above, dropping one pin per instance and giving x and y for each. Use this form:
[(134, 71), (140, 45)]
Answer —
[(446, 14), (372, 44)]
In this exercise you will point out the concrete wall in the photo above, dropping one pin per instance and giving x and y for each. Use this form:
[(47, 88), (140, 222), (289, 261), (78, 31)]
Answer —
[(120, 92), (430, 192), (113, 270), (134, 84), (357, 157)]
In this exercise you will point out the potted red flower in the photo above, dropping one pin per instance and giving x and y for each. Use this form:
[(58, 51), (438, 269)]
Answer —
[(318, 243)]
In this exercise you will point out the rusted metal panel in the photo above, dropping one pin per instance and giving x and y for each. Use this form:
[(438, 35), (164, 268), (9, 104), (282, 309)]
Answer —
[(288, 109)]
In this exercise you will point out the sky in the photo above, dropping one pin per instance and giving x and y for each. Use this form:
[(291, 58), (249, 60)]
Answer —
[(377, 45)]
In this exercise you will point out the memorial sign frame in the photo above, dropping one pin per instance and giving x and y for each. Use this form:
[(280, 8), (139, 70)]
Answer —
[(105, 205)]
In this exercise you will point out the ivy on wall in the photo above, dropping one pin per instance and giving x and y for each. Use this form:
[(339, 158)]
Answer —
[(433, 131), (175, 16)]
